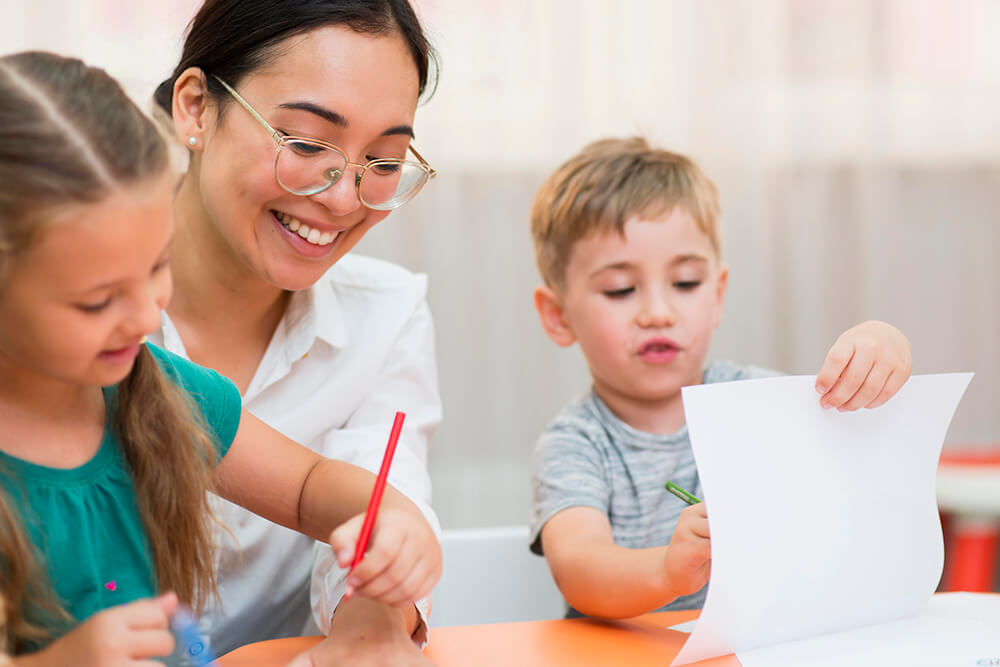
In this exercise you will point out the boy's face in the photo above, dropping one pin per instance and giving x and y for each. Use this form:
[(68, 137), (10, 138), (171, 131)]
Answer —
[(642, 307)]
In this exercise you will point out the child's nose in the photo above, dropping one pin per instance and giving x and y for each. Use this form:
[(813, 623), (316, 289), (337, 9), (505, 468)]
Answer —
[(655, 313), (148, 308)]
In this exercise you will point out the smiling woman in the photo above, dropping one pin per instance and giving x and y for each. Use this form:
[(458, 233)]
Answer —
[(298, 115)]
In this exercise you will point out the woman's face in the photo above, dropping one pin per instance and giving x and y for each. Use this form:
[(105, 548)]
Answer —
[(356, 91)]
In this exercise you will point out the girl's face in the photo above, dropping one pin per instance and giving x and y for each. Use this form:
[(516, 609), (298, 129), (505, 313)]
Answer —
[(356, 91), (75, 306)]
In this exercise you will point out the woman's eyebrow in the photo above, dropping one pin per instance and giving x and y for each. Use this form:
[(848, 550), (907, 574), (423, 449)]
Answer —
[(339, 120), (325, 114)]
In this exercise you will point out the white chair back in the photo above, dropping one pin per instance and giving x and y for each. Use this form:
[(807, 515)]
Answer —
[(490, 576)]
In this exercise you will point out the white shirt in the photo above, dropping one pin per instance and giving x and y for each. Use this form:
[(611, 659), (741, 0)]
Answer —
[(349, 352)]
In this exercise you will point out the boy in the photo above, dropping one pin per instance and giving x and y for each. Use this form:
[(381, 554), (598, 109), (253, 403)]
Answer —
[(628, 244)]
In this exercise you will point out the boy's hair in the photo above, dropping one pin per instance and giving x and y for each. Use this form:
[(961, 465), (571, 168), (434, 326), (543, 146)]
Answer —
[(69, 136), (605, 184)]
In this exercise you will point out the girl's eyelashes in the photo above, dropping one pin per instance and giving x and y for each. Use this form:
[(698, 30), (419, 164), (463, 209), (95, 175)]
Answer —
[(687, 285), (619, 293), (92, 308)]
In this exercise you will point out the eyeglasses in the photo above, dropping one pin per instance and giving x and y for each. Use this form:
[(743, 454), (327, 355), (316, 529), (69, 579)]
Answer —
[(305, 166)]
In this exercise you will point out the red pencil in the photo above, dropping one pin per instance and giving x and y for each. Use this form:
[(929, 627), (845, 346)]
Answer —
[(383, 474)]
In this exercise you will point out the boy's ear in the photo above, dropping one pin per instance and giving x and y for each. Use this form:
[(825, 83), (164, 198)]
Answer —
[(190, 105), (550, 311), (720, 293)]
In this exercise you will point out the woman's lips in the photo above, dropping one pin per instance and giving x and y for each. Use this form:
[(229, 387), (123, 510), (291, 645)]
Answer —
[(305, 239)]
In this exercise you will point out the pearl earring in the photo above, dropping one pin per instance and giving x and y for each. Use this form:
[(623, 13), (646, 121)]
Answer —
[(192, 141)]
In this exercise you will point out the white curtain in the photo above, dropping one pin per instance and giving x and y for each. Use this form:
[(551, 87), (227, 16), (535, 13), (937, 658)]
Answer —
[(856, 145)]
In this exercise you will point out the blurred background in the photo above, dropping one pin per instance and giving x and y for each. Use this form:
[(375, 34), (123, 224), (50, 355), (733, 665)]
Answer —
[(856, 144)]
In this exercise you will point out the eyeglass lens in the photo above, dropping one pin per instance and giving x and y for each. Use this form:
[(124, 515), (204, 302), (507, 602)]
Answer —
[(305, 168)]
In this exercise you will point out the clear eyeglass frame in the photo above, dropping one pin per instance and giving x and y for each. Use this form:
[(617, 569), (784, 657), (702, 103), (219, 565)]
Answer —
[(331, 176)]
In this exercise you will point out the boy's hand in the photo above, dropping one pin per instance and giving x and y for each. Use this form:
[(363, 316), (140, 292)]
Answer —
[(689, 554), (126, 636), (865, 367), (402, 562)]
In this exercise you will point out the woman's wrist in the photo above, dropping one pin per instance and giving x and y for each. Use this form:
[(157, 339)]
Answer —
[(360, 615)]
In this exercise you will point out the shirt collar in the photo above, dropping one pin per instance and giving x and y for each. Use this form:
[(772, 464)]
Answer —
[(316, 313)]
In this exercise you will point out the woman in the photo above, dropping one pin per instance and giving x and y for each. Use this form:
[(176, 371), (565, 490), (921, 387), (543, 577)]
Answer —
[(298, 115)]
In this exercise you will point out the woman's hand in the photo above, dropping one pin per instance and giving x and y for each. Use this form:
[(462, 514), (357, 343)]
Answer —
[(865, 367), (129, 635), (402, 562), (689, 554), (365, 633)]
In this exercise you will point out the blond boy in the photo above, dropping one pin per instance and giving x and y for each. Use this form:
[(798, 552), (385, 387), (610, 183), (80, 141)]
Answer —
[(628, 245)]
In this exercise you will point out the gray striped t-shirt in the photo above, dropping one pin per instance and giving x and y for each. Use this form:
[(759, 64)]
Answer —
[(588, 457)]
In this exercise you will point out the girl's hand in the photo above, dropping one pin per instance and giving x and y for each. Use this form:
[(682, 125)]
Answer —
[(865, 367), (402, 562), (689, 554), (126, 636)]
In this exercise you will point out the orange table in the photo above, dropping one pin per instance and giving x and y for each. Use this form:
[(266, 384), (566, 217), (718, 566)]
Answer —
[(580, 642)]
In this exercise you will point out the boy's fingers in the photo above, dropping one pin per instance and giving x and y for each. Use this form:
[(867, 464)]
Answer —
[(850, 380), (695, 520), (892, 384), (700, 528), (871, 388), (836, 361)]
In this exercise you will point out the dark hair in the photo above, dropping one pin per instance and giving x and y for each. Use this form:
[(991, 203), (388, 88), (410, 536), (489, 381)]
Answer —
[(231, 38), (70, 136)]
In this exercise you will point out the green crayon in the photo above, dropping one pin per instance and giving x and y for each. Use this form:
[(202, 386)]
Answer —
[(682, 494)]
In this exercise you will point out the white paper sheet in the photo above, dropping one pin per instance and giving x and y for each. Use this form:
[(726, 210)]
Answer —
[(821, 521), (951, 630)]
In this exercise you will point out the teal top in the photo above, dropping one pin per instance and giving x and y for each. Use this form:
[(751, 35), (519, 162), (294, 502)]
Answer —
[(84, 522)]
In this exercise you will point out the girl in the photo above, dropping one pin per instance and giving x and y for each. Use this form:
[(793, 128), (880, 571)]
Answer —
[(298, 115), (108, 444)]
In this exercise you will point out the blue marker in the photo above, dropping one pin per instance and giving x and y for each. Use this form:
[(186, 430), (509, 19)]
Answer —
[(196, 648)]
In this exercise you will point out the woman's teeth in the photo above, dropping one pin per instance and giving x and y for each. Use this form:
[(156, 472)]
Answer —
[(311, 235)]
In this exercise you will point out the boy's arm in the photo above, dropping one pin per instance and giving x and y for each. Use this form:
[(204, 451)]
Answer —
[(865, 367), (599, 578)]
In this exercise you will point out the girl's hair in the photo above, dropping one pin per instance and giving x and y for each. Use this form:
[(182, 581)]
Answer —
[(69, 136), (232, 38)]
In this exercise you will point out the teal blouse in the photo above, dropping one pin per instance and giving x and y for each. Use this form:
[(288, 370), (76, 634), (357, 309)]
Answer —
[(84, 522)]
